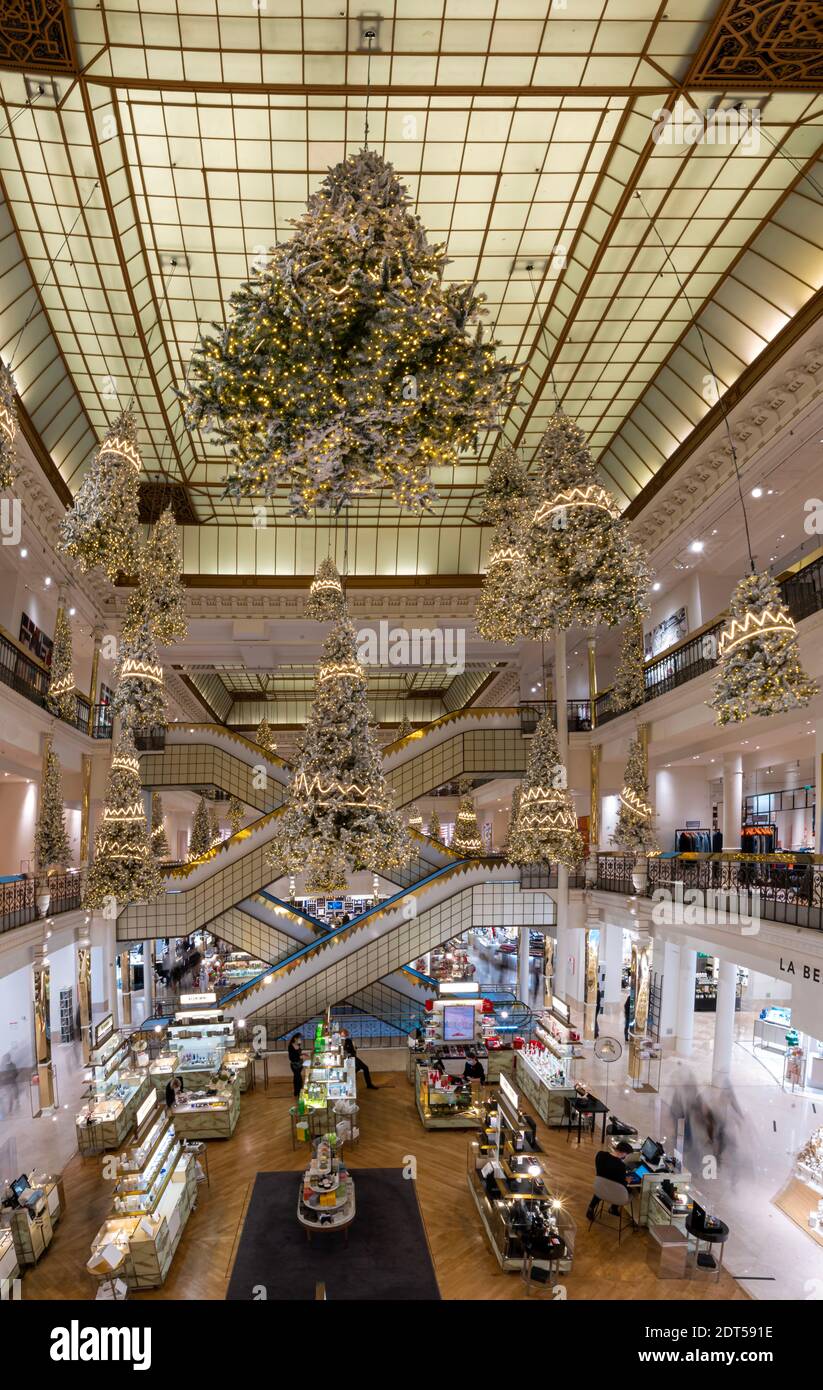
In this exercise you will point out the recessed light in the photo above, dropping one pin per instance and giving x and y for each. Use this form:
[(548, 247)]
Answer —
[(696, 547), (47, 580), (72, 612), (757, 492), (23, 552), (656, 585)]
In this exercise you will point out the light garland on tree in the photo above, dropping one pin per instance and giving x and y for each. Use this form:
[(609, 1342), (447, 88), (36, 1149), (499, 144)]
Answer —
[(466, 840), (61, 697), (503, 608), (325, 601), (629, 689), (264, 737), (634, 830), (759, 668), (544, 824), (159, 841), (348, 364), (584, 567), (159, 596), (123, 869), (339, 815), (8, 428), (140, 697), (101, 529), (236, 813), (51, 841), (435, 830), (201, 838), (414, 819)]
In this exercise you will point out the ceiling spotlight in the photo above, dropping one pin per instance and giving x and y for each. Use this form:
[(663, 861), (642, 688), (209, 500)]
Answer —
[(72, 612), (23, 552), (696, 546), (47, 580), (656, 585), (757, 492)]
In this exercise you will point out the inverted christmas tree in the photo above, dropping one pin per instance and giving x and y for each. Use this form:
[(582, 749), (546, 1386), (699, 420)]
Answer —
[(404, 728), (466, 840), (629, 689), (759, 668), (504, 610), (140, 697), (200, 840), (123, 869), (348, 363), (158, 598), (51, 841), (101, 529), (544, 824), (435, 831), (264, 738), (159, 842), (325, 601), (586, 568), (414, 819), (634, 830), (62, 696), (214, 825), (8, 428), (339, 814), (236, 813)]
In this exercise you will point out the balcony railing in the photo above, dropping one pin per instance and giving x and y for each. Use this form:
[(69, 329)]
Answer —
[(32, 681), (614, 873), (578, 713), (18, 898)]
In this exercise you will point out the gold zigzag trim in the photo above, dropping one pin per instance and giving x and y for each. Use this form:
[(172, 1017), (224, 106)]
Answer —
[(134, 669), (755, 625), (507, 554), (636, 804), (7, 424), (123, 448), (592, 496)]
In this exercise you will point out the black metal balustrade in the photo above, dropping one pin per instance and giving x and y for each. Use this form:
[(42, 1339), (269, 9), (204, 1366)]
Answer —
[(780, 890), (578, 713), (545, 876), (18, 898), (32, 682), (614, 873)]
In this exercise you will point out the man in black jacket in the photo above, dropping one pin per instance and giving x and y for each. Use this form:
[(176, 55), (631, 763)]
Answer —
[(349, 1050), (607, 1165)]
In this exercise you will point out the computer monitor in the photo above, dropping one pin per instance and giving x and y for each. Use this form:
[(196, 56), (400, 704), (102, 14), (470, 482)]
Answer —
[(698, 1219), (651, 1152), (458, 1022), (19, 1186)]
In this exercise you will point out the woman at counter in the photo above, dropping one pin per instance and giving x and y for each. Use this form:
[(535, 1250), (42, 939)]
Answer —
[(296, 1062), (174, 1093)]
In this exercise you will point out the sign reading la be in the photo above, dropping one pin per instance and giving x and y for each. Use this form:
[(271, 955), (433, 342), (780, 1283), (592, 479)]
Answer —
[(807, 994)]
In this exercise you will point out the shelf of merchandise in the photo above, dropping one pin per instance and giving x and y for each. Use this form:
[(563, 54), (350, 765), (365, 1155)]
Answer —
[(107, 1119), (9, 1266), (536, 1084), (457, 1108), (31, 1231), (209, 1117), (498, 1213)]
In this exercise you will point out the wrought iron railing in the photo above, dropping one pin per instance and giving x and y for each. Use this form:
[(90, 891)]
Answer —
[(614, 873), (779, 888), (578, 713), (32, 681), (536, 876), (18, 898), (151, 740)]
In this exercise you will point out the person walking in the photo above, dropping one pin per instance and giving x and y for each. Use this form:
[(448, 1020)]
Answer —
[(350, 1050), (627, 1015), (295, 1050)]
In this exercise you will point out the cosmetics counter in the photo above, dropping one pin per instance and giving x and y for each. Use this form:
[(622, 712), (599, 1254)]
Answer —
[(555, 1030), (209, 1114), (9, 1267), (238, 968), (512, 1187), (200, 1044), (32, 1207), (445, 1101), (154, 1195), (544, 1080), (117, 1088)]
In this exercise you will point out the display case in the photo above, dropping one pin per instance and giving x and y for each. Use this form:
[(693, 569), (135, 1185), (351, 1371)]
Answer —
[(198, 1041), (108, 1115), (326, 1199), (519, 1207), (30, 1225), (240, 1061), (147, 1168), (9, 1265), (543, 1079), (555, 1030), (444, 1101), (771, 1028), (210, 1114), (161, 1071)]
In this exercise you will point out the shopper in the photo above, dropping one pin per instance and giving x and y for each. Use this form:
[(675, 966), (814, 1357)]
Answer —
[(607, 1165), (351, 1051), (296, 1062), (473, 1070), (627, 1015), (174, 1092)]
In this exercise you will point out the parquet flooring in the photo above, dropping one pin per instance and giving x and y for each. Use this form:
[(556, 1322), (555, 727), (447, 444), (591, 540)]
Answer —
[(390, 1133)]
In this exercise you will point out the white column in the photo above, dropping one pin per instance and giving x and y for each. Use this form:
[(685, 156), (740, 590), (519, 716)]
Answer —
[(148, 978), (560, 695), (732, 800), (667, 960), (104, 966), (612, 960), (523, 965), (685, 1000), (724, 1024), (818, 785)]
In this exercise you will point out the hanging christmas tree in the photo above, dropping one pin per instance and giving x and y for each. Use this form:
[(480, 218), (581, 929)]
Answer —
[(435, 831), (512, 827), (101, 529), (759, 669), (8, 428), (200, 840), (214, 826), (404, 728), (466, 839), (585, 567), (544, 824), (62, 695), (140, 697), (264, 737), (51, 842), (414, 819), (159, 843), (325, 601), (236, 813), (158, 598), (123, 869), (339, 815), (629, 689), (348, 364), (634, 830), (504, 610)]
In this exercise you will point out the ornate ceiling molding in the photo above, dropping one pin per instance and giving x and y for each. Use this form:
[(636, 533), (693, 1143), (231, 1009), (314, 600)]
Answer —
[(762, 45), (36, 36)]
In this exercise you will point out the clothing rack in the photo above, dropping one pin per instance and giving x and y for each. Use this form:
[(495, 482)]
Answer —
[(698, 841), (758, 839)]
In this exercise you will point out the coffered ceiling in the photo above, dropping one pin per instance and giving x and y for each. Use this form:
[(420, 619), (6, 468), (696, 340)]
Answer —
[(174, 140)]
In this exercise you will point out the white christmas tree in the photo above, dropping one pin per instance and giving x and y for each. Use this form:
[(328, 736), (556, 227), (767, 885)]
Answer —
[(62, 696), (102, 527), (759, 668), (8, 428), (159, 842), (123, 869), (236, 812), (629, 689), (339, 815), (634, 830), (159, 597), (325, 601), (544, 824), (214, 825), (200, 841), (435, 829), (264, 737), (466, 840), (414, 819), (51, 842), (504, 609), (585, 567), (140, 697)]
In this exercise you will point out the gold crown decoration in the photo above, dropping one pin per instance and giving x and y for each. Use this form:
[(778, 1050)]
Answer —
[(771, 620), (123, 448), (507, 554), (325, 586), (334, 792), (62, 687), (7, 424), (135, 669), (591, 496), (635, 804), (126, 762), (334, 670)]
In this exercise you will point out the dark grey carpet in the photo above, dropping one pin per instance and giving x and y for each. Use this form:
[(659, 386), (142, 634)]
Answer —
[(387, 1256)]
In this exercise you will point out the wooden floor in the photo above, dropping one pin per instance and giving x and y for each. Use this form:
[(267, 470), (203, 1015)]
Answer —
[(391, 1133)]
